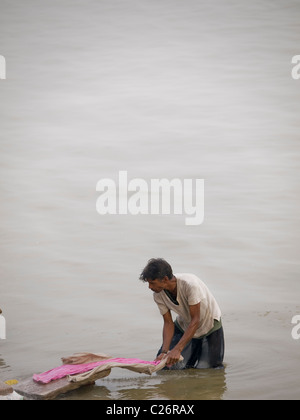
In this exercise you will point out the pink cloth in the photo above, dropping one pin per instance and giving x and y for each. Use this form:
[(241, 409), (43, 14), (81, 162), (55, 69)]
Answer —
[(65, 370)]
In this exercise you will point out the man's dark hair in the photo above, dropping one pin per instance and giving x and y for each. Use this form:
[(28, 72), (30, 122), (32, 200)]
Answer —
[(157, 268)]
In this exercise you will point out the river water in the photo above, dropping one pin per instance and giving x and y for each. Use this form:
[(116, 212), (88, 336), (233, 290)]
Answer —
[(160, 89)]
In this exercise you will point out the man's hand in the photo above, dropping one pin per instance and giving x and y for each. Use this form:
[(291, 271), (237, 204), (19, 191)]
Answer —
[(160, 356), (173, 357)]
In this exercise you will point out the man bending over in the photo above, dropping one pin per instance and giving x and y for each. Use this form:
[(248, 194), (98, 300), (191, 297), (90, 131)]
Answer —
[(197, 333)]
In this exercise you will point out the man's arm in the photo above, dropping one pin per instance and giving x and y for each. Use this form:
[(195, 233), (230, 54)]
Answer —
[(175, 353), (168, 332)]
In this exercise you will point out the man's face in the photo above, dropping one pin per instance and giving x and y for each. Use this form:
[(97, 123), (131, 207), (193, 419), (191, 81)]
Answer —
[(156, 285)]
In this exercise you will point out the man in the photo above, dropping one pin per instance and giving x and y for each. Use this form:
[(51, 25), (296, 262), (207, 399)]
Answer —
[(197, 333)]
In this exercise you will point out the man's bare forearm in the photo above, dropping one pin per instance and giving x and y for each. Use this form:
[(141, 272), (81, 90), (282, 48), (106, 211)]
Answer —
[(187, 336), (168, 332), (175, 353)]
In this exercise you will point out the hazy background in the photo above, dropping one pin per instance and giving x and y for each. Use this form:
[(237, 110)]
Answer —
[(160, 88)]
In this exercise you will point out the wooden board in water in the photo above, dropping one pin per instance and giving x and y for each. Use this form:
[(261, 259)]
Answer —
[(32, 390)]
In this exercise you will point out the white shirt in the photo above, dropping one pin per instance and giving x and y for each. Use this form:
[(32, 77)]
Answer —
[(190, 291)]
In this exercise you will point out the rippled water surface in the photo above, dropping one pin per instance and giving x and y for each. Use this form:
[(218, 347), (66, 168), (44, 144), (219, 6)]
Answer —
[(161, 89)]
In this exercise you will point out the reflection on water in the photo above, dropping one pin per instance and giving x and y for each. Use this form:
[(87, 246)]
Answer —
[(190, 384), (2, 363), (4, 369)]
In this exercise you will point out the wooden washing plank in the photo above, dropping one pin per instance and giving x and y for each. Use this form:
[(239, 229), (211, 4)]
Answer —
[(32, 390)]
